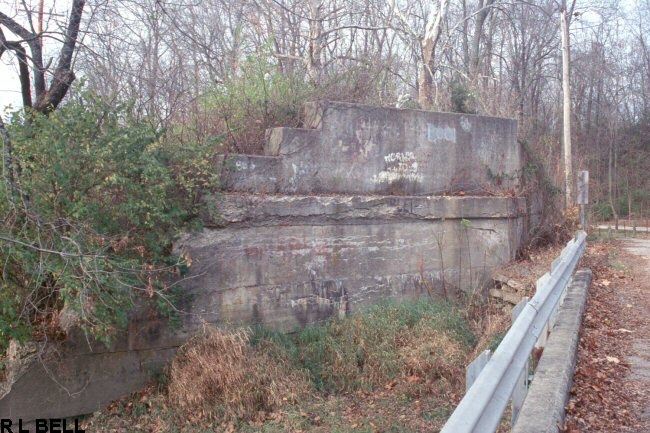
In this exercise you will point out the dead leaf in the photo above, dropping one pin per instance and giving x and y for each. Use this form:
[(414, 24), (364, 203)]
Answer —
[(186, 258), (391, 384)]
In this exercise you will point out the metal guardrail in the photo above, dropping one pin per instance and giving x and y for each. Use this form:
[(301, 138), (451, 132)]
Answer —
[(482, 407)]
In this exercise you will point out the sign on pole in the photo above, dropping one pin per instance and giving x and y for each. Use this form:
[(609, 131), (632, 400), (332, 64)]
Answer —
[(583, 187), (583, 196)]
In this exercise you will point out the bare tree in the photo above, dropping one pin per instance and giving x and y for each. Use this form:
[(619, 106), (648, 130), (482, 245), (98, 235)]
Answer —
[(484, 8), (432, 33), (45, 97), (169, 58)]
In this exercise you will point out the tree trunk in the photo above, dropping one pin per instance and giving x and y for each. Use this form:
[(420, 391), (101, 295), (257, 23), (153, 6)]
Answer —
[(610, 179), (432, 34), (313, 61), (465, 34), (475, 57), (629, 197)]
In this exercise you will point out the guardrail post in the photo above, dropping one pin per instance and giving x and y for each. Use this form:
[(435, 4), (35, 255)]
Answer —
[(474, 369), (521, 388), (519, 394)]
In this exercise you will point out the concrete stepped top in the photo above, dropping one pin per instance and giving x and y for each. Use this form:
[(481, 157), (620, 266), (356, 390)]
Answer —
[(358, 149)]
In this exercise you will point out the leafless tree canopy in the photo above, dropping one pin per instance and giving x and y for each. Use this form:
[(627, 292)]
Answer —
[(493, 57)]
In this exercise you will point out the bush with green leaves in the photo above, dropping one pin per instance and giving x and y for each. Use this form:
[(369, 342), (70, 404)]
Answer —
[(90, 202), (258, 97), (602, 211), (262, 94)]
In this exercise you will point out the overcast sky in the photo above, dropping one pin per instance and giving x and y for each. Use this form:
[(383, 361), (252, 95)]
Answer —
[(55, 12)]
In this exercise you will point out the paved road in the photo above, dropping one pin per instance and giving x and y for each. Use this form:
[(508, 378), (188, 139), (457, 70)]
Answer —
[(639, 359), (638, 247)]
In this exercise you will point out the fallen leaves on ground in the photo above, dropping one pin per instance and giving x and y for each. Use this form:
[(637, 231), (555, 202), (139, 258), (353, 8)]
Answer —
[(603, 397)]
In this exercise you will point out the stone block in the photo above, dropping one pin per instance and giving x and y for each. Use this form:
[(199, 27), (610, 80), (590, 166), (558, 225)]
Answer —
[(288, 141)]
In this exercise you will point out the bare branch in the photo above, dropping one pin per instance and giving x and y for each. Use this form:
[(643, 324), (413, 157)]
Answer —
[(63, 74), (16, 28)]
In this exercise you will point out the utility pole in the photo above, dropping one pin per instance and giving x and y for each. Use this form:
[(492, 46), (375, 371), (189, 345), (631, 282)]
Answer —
[(568, 166)]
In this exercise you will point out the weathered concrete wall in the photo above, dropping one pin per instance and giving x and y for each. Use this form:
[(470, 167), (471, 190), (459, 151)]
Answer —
[(357, 149), (288, 260), (334, 217), (80, 376)]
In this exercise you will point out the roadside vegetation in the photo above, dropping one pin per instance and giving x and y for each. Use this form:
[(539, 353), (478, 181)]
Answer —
[(89, 206), (392, 367)]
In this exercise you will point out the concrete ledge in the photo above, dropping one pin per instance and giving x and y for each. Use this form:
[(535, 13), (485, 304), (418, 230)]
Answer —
[(543, 409), (249, 210)]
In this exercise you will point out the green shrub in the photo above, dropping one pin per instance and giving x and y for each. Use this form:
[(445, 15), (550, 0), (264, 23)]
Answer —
[(462, 99), (88, 220), (263, 94), (260, 96), (602, 211), (639, 203)]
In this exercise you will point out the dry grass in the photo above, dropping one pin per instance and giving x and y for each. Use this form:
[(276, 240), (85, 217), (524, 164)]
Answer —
[(218, 375), (490, 324), (393, 367), (368, 350), (434, 355)]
